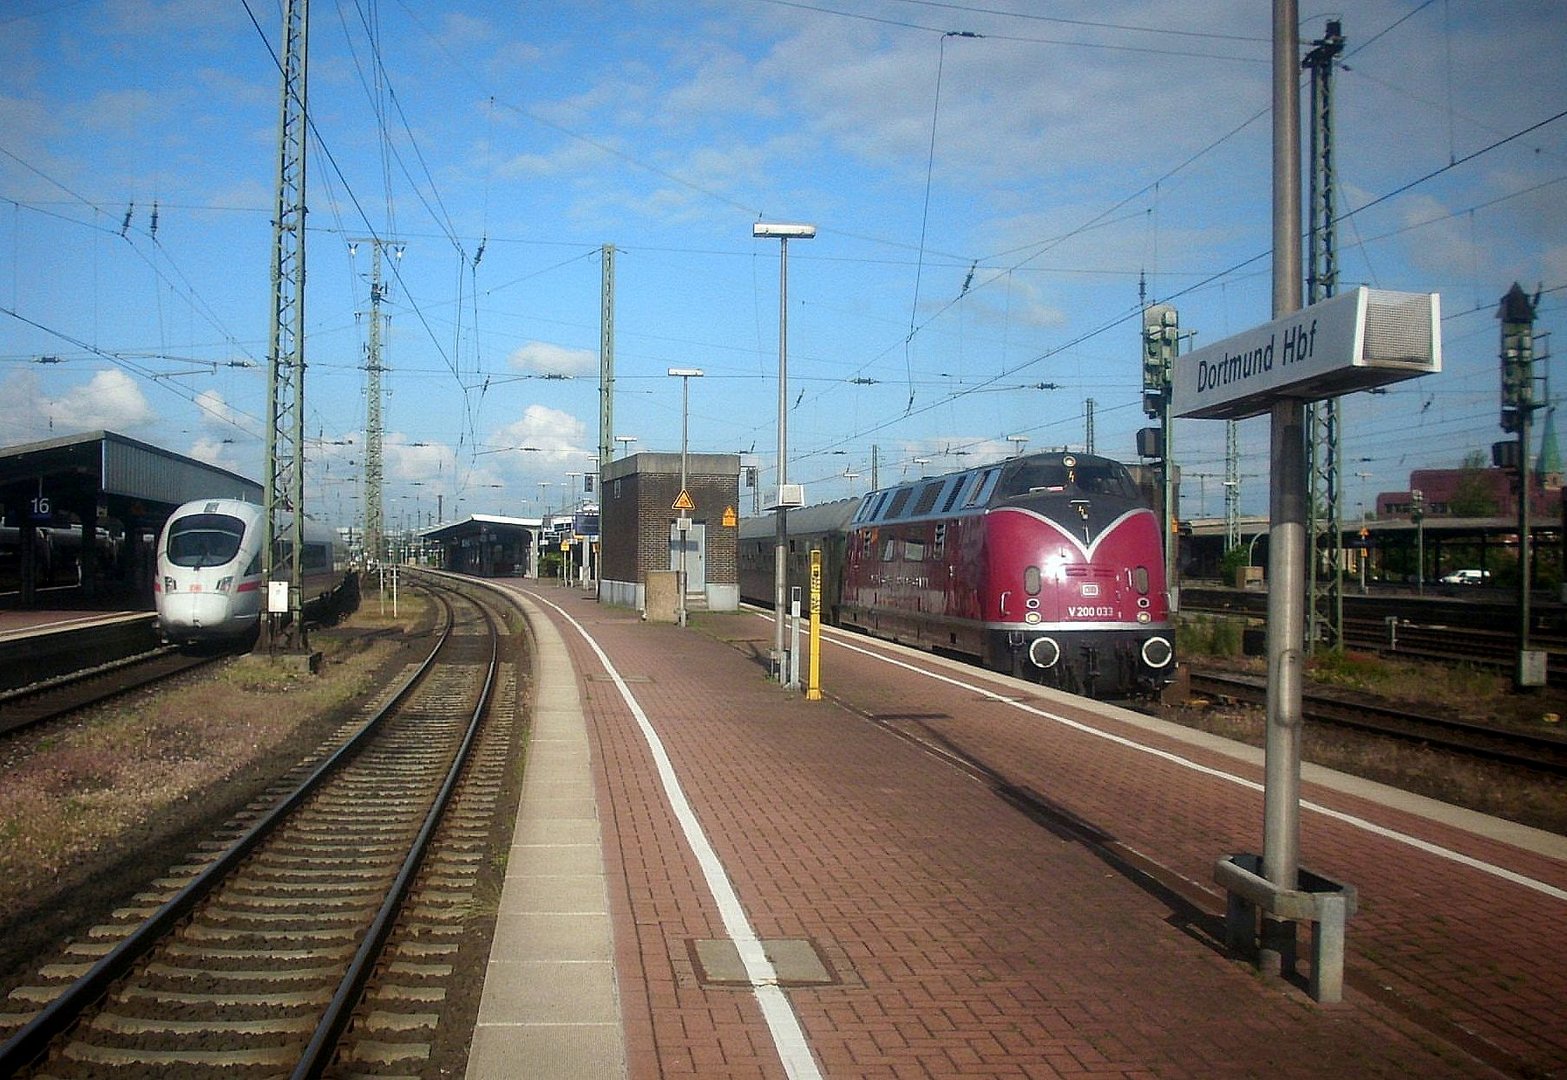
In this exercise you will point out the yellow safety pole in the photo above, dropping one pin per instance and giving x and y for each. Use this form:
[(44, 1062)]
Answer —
[(813, 685)]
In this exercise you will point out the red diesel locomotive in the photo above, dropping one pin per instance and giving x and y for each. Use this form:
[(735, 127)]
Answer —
[(1048, 566)]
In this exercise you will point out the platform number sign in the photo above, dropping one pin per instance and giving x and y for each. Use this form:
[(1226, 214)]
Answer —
[(40, 508)]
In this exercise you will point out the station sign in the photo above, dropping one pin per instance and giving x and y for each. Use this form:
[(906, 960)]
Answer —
[(789, 497), (1354, 341)]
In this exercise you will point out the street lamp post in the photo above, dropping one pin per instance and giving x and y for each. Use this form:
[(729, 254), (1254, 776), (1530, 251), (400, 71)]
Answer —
[(571, 518), (685, 375), (538, 546), (783, 234)]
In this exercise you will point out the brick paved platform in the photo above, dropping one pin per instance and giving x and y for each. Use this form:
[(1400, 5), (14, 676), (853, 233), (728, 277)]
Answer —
[(964, 876)]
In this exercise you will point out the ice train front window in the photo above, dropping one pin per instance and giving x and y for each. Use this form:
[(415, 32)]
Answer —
[(205, 539)]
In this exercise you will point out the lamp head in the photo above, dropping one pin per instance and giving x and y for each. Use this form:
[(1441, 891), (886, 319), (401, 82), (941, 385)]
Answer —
[(762, 230)]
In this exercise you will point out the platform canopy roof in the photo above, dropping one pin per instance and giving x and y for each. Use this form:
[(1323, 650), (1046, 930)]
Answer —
[(478, 525), (137, 481)]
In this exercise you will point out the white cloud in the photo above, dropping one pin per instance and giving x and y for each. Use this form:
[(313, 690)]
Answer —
[(550, 435), (215, 410), (217, 452), (542, 358), (21, 419), (416, 460), (110, 400)]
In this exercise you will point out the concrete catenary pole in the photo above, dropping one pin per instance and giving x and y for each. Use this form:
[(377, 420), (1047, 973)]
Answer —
[(606, 391)]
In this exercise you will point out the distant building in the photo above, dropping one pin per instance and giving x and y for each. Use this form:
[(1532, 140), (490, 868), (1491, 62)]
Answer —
[(1441, 488)]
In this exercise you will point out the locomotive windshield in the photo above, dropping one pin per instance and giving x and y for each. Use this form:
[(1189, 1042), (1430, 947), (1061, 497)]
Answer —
[(205, 539), (1092, 476)]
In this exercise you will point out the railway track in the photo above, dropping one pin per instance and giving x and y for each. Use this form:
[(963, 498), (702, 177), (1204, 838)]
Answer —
[(1445, 631), (1520, 749), (47, 699), (1442, 643), (252, 960)]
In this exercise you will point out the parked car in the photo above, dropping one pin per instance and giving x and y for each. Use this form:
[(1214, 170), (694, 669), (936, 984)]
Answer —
[(1467, 577)]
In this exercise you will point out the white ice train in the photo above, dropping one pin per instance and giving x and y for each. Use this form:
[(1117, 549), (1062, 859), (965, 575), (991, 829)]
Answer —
[(209, 581)]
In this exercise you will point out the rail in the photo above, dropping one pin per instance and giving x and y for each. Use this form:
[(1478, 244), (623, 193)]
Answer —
[(1520, 749), (60, 1015)]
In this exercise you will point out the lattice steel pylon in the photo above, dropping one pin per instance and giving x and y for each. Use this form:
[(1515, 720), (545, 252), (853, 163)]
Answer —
[(1324, 573), (375, 427), (284, 491)]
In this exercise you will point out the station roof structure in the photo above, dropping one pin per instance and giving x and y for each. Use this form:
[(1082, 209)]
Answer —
[(478, 524), (136, 480)]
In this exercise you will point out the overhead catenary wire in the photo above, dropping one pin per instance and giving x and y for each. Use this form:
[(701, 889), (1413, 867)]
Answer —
[(930, 166), (1114, 322), (937, 282)]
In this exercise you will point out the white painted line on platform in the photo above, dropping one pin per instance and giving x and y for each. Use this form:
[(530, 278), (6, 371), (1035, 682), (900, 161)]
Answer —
[(784, 1026), (1187, 763)]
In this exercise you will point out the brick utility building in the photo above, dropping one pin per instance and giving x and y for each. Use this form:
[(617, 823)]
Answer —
[(639, 526)]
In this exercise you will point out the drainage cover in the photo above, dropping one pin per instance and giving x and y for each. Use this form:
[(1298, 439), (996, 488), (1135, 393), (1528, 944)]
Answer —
[(795, 960)]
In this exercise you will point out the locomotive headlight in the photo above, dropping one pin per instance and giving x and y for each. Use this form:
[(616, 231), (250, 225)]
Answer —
[(1031, 618), (1044, 652), (1143, 616), (169, 585), (226, 583)]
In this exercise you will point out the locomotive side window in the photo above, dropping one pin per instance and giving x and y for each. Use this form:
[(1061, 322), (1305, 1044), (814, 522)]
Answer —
[(873, 506), (889, 548), (939, 541), (914, 549), (982, 490), (952, 496), (205, 539)]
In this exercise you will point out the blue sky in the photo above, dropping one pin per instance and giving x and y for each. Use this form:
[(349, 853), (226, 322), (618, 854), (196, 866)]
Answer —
[(986, 207)]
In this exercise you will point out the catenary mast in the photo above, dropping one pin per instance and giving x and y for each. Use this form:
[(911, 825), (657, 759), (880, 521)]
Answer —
[(1325, 568), (284, 490)]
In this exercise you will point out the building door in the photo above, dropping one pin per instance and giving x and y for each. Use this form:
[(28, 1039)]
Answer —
[(695, 547)]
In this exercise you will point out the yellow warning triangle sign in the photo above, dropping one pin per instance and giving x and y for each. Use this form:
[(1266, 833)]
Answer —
[(684, 501)]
